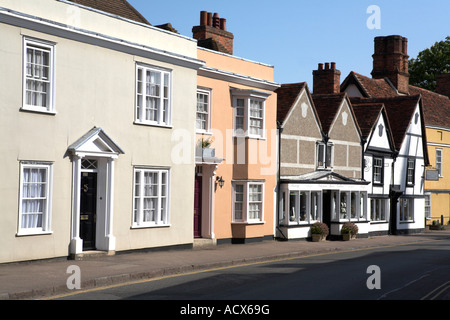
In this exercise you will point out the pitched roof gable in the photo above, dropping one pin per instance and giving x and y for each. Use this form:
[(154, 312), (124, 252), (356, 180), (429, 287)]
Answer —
[(367, 115), (328, 105), (399, 109), (117, 7), (370, 87), (436, 106), (287, 94)]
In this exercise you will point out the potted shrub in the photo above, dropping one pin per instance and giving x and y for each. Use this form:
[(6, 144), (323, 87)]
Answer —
[(349, 231), (319, 231), (436, 225), (204, 148)]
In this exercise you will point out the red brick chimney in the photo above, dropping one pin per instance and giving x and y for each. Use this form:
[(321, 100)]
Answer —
[(390, 60), (328, 80), (212, 33), (443, 84)]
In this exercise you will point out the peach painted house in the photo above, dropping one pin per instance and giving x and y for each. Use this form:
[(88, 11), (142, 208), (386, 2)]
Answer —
[(236, 169)]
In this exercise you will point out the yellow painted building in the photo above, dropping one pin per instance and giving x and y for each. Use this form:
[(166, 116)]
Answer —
[(438, 191)]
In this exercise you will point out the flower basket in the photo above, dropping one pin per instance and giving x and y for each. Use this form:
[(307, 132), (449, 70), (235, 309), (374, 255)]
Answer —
[(319, 231), (349, 231)]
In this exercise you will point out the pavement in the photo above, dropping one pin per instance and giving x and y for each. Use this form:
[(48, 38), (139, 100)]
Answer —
[(46, 278)]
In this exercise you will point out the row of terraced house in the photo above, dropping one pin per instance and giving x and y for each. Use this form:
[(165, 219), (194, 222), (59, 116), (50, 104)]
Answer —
[(118, 135)]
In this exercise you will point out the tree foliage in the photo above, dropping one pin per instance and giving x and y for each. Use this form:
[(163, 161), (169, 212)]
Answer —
[(430, 62)]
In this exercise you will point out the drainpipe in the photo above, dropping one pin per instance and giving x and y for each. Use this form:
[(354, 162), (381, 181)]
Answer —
[(280, 130)]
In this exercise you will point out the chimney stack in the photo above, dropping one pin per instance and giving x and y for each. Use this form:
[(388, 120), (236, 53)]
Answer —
[(390, 60), (328, 80), (443, 84), (212, 33)]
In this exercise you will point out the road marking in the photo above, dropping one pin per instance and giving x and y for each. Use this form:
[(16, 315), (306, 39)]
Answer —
[(445, 287), (228, 267)]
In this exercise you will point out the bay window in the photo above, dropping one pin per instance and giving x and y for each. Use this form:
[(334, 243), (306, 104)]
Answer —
[(304, 207), (249, 112), (348, 205)]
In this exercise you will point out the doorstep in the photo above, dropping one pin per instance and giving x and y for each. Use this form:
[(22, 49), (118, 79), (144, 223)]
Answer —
[(202, 243), (91, 255)]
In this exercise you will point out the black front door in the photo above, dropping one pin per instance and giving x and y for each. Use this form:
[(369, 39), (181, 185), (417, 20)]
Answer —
[(88, 206)]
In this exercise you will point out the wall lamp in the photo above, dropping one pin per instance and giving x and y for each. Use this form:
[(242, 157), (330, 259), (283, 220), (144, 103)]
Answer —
[(220, 181)]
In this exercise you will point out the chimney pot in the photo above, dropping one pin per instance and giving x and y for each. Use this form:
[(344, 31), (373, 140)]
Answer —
[(210, 19), (223, 24), (333, 65), (216, 20), (203, 18), (320, 66), (327, 65)]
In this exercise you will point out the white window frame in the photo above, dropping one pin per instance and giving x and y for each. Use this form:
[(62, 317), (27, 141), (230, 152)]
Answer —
[(341, 211), (410, 172), (327, 149), (208, 113), (409, 216), (246, 202), (44, 228), (49, 48), (379, 209), (141, 95), (439, 154), (295, 217), (378, 170), (427, 205), (161, 218), (247, 96)]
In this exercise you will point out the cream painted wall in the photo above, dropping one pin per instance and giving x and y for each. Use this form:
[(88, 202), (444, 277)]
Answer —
[(94, 86)]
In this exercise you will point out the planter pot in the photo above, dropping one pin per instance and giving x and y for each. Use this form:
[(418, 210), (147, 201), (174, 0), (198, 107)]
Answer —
[(436, 227), (348, 237), (318, 237)]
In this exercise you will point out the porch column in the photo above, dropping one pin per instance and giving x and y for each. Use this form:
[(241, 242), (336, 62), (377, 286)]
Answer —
[(109, 214), (76, 243)]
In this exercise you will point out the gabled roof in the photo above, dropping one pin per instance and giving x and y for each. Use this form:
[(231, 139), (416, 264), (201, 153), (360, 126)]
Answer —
[(327, 106), (95, 141), (287, 94), (367, 115), (119, 8), (436, 107), (400, 110), (370, 87)]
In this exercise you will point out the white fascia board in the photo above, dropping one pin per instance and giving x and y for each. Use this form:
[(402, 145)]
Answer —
[(237, 78), (54, 28)]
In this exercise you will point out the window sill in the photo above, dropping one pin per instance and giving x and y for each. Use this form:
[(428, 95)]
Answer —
[(148, 124), (248, 222), (36, 110), (151, 226), (33, 233), (249, 136), (208, 133)]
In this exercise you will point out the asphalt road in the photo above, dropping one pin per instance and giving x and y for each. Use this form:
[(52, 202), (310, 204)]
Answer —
[(419, 271)]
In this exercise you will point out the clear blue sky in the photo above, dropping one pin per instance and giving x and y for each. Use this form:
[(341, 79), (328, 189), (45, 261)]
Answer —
[(295, 35)]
